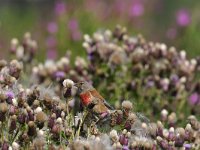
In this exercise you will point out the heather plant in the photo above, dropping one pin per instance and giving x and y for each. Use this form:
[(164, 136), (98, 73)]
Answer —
[(65, 23), (149, 74), (153, 90)]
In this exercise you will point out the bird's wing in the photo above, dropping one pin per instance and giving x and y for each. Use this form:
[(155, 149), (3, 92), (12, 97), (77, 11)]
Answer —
[(100, 108), (108, 105), (97, 96)]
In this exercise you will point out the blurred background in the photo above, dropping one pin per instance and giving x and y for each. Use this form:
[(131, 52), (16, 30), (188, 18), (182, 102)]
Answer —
[(59, 25)]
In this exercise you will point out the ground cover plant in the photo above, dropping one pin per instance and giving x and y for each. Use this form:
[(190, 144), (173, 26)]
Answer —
[(153, 91)]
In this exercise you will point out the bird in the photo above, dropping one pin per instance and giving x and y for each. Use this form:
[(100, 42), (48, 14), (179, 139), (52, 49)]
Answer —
[(91, 99)]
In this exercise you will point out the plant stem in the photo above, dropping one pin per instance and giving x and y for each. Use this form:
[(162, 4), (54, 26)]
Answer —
[(81, 124)]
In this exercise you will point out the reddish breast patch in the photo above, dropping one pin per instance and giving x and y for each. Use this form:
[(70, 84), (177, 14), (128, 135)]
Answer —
[(86, 98)]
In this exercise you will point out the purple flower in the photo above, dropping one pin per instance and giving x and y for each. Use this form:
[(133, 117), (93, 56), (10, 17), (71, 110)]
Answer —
[(76, 36), (90, 56), (137, 9), (59, 74), (120, 6), (187, 146), (60, 8), (171, 33), (194, 98), (51, 42), (183, 17), (51, 54), (174, 78), (125, 148), (150, 84), (74, 29), (123, 140), (73, 24), (52, 27), (10, 94)]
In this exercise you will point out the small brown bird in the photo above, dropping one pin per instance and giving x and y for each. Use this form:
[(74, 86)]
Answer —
[(91, 98)]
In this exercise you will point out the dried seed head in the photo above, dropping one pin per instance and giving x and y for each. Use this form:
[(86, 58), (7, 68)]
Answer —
[(152, 129), (31, 128), (37, 110), (165, 133), (80, 62), (15, 146), (144, 125), (188, 127), (180, 131), (113, 134), (132, 117), (160, 125), (128, 134), (41, 117), (40, 133), (127, 105), (59, 120), (172, 118), (68, 83), (3, 63), (159, 139), (118, 146), (164, 112), (13, 117), (2, 96), (31, 124), (14, 42), (36, 103), (124, 131), (183, 54), (3, 107), (171, 129), (68, 132), (39, 143), (15, 103)]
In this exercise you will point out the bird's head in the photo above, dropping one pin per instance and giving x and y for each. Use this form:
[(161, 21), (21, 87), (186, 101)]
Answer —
[(83, 86)]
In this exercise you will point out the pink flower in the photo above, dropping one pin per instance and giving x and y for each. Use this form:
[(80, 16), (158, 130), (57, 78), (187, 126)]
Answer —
[(73, 24), (51, 54), (52, 27), (171, 33), (137, 9), (74, 30), (51, 42), (60, 8), (183, 17), (76, 35), (194, 99)]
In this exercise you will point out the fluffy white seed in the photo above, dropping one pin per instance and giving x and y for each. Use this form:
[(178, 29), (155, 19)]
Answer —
[(37, 110), (15, 146), (68, 83), (15, 103), (164, 112)]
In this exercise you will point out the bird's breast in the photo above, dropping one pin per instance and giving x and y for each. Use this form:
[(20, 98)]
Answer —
[(85, 98)]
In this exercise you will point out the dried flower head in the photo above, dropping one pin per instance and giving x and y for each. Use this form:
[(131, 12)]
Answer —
[(3, 107), (68, 83), (41, 117)]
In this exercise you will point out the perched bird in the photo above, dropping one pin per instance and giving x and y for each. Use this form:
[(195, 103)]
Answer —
[(91, 98)]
